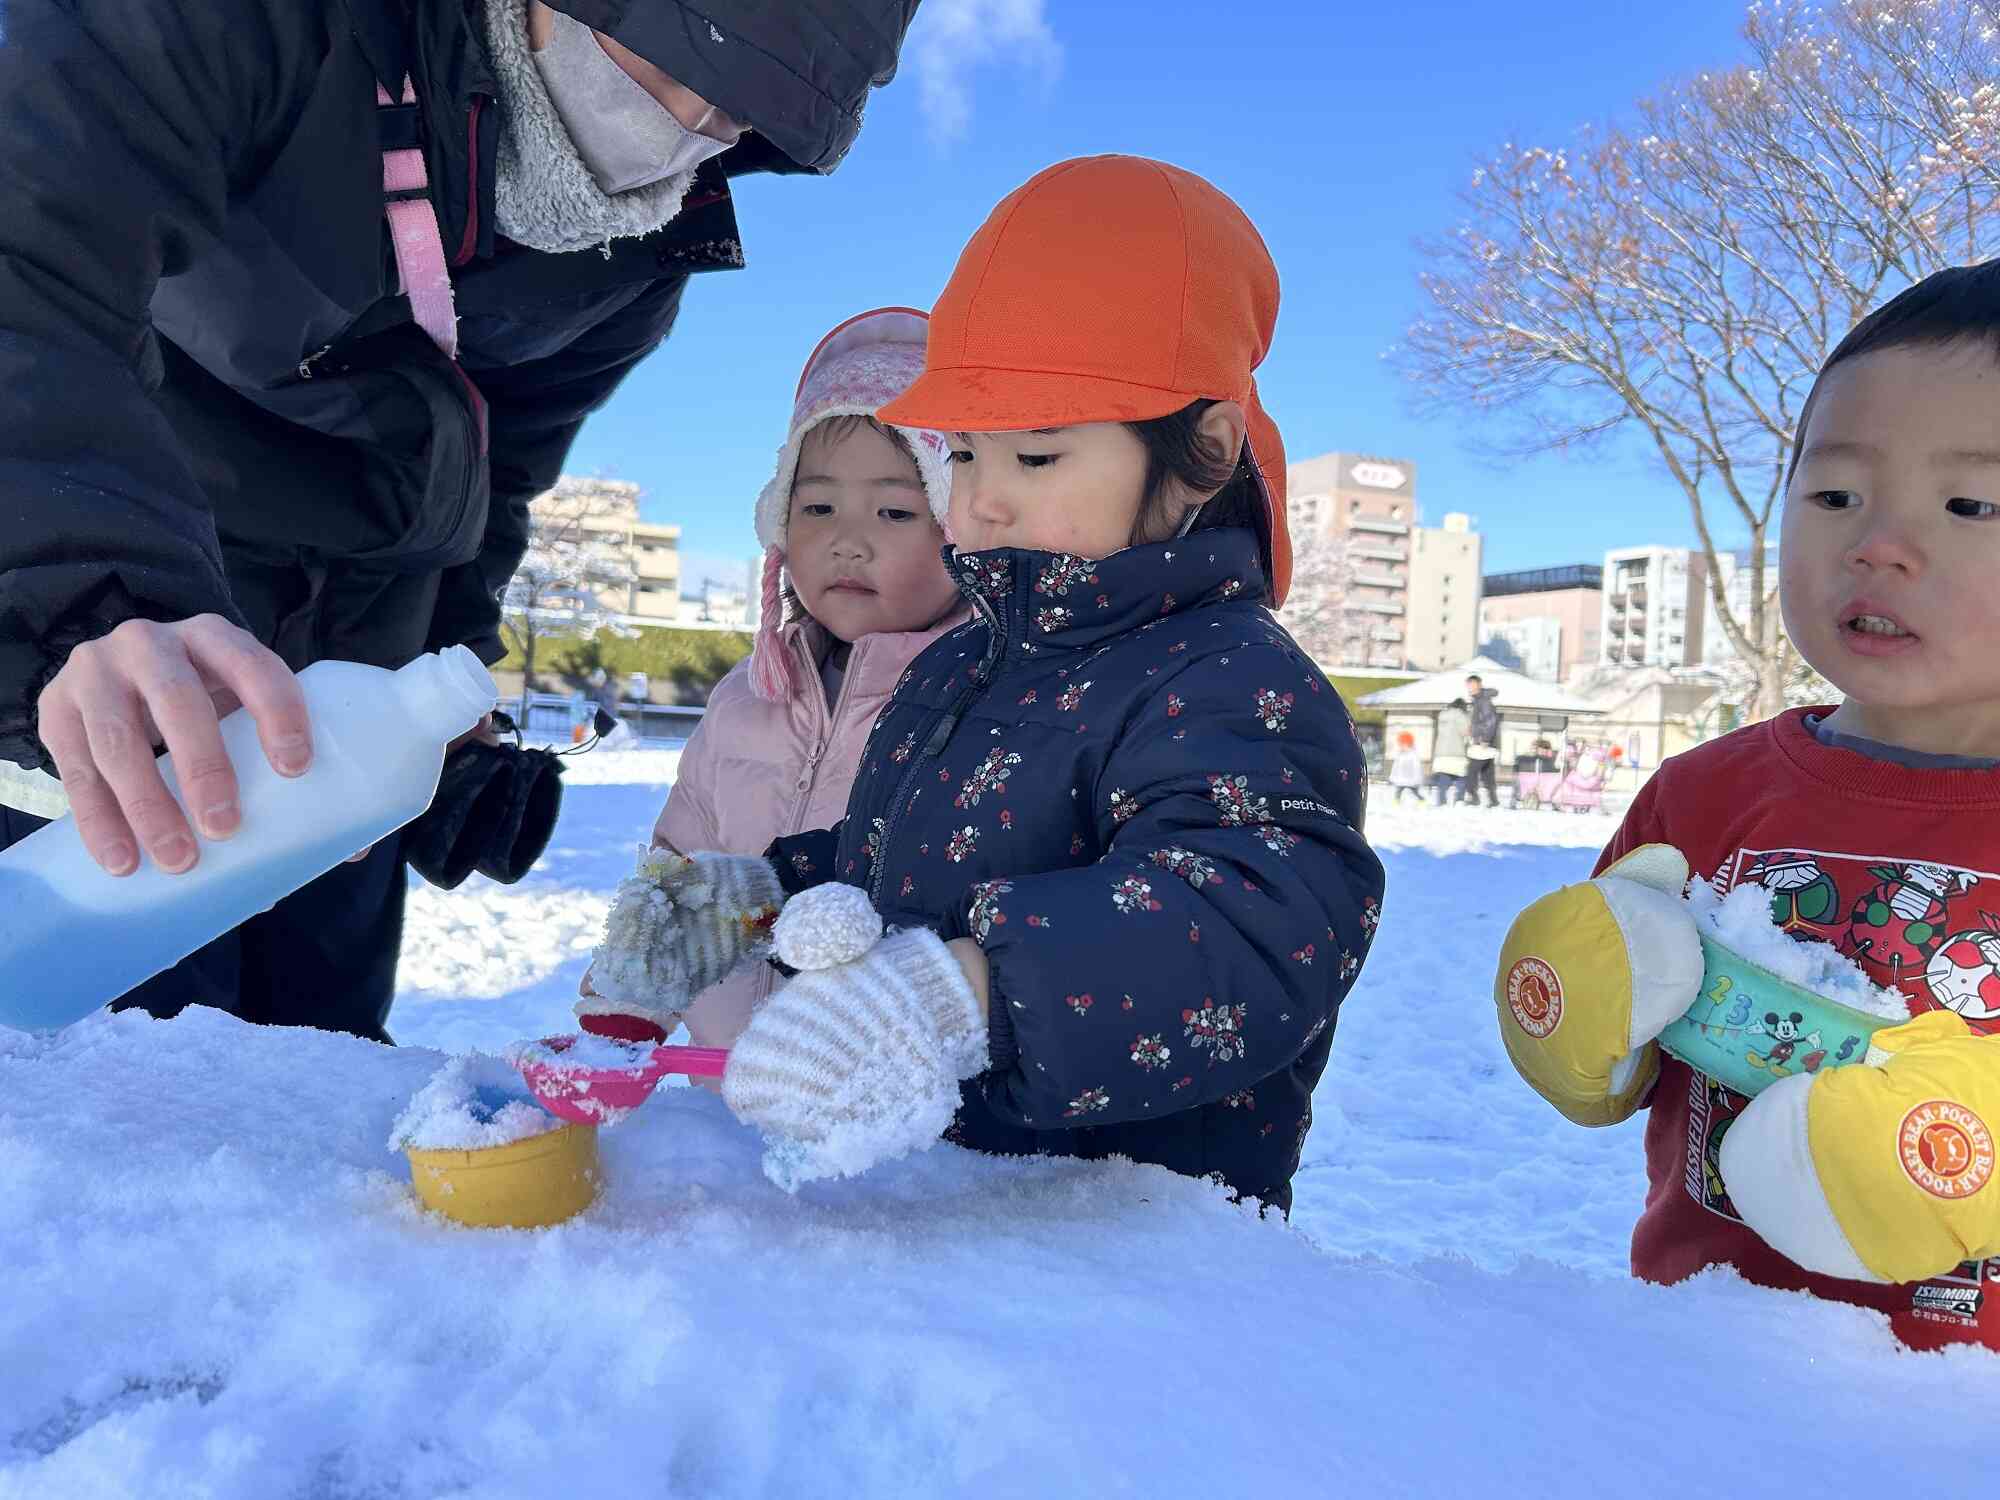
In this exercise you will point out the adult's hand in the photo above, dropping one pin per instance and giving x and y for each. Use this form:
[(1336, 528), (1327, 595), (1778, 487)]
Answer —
[(144, 685)]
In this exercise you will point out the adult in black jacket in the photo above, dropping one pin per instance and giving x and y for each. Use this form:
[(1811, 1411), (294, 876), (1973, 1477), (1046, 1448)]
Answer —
[(228, 450), (1482, 749)]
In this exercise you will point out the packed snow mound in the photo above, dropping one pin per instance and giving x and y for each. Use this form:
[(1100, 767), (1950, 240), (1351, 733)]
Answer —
[(219, 1285)]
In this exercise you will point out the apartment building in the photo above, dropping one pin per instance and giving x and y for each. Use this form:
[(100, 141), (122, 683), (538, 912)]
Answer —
[(1549, 620), (1379, 589), (1733, 568), (607, 511), (1654, 607), (719, 604), (1444, 593)]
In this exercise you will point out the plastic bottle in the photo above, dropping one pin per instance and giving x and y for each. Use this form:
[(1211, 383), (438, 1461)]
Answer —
[(73, 938)]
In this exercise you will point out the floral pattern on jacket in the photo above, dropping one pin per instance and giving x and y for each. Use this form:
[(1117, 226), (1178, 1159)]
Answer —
[(1144, 804)]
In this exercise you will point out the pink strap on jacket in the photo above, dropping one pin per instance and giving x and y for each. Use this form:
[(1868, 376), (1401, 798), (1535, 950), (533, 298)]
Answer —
[(413, 228)]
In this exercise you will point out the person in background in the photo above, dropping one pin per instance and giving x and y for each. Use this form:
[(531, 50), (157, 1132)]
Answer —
[(1448, 758), (1482, 748), (1406, 771), (1529, 788)]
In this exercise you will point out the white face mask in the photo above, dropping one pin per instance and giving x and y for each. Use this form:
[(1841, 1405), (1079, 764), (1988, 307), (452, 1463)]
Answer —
[(626, 137)]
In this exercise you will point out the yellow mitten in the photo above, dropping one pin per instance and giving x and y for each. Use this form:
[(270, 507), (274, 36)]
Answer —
[(1878, 1172), (1590, 975)]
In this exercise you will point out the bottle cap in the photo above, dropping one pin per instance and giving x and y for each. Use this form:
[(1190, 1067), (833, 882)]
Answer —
[(448, 691)]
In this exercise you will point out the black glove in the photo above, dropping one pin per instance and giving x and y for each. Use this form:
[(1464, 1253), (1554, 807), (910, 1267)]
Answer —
[(494, 812)]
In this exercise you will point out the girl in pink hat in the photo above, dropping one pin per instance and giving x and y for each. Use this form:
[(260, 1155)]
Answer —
[(854, 587)]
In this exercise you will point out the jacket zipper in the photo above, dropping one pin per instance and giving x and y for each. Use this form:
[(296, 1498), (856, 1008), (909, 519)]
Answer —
[(469, 241), (807, 779), (476, 403), (996, 648), (809, 775)]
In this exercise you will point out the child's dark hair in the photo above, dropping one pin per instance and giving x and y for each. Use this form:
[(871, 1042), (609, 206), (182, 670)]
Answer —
[(1177, 449), (1957, 304)]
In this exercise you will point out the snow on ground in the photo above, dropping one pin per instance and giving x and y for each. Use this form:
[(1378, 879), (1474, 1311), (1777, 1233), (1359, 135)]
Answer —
[(218, 1284), (496, 942), (1465, 829), (653, 765)]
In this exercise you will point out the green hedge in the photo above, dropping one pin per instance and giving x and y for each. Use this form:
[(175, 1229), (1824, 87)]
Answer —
[(1354, 686), (690, 662)]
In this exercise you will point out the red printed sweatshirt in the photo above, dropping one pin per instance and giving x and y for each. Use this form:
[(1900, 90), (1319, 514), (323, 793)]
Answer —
[(1899, 869)]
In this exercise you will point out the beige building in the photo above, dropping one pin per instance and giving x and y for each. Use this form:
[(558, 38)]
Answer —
[(1444, 591), (649, 553), (1529, 710), (1649, 714), (1371, 586), (1737, 576), (1549, 620)]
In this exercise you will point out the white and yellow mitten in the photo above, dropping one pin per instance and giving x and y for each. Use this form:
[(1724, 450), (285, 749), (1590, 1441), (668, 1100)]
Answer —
[(1590, 975), (1880, 1172), (677, 925)]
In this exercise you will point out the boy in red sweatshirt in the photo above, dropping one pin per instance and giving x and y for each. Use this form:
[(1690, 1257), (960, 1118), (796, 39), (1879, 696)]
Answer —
[(1874, 826)]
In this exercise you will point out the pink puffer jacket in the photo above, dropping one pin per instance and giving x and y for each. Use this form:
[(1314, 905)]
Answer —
[(754, 770)]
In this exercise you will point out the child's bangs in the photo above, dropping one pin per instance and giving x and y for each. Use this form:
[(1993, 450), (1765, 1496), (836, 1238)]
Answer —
[(840, 428)]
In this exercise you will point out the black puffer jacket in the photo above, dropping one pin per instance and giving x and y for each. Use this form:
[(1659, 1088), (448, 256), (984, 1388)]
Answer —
[(1143, 801), (211, 396), (1485, 709)]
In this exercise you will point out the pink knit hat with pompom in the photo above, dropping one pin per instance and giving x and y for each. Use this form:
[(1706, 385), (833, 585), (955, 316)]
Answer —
[(865, 363)]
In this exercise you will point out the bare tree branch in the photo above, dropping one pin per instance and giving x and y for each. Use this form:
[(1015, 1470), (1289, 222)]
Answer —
[(1682, 277), (1323, 613), (575, 578)]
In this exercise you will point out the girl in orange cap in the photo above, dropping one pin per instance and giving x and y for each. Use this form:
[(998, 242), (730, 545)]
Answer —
[(1113, 824)]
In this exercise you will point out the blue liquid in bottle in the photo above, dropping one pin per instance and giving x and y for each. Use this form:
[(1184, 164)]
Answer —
[(73, 938)]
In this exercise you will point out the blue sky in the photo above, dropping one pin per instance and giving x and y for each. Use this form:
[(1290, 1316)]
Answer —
[(1344, 130)]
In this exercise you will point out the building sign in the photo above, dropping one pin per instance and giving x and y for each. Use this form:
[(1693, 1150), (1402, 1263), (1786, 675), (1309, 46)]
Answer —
[(1378, 476)]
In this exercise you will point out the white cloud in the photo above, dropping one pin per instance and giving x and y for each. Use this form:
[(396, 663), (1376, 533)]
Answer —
[(953, 39)]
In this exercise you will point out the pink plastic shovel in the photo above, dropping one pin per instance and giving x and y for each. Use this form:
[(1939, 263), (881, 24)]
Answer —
[(605, 1095)]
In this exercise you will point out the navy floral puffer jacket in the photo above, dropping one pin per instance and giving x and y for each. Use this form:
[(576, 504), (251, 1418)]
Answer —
[(1126, 782)]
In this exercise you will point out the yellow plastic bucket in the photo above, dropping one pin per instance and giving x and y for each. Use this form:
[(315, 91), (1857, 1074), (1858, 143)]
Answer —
[(528, 1184)]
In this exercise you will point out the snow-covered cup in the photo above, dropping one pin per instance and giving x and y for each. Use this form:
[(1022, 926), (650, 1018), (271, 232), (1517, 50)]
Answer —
[(1749, 1026)]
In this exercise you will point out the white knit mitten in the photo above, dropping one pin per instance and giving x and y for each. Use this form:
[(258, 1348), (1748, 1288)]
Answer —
[(677, 926), (857, 1060)]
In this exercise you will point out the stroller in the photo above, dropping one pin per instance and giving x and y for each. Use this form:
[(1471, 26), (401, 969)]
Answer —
[(1536, 777), (1581, 788)]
